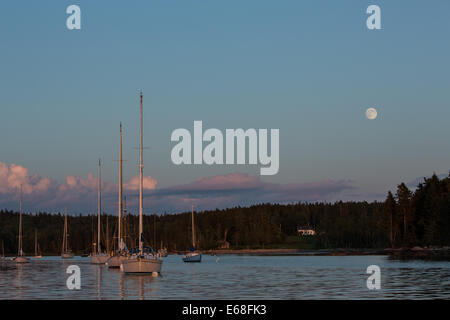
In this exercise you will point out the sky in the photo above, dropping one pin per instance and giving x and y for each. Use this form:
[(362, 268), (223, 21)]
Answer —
[(307, 68)]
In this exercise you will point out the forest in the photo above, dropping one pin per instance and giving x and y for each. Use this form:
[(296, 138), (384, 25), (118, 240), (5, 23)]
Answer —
[(407, 218)]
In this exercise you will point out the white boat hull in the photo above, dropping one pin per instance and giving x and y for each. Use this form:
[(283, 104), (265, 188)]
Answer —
[(193, 257), (21, 260), (115, 262), (141, 265), (99, 259)]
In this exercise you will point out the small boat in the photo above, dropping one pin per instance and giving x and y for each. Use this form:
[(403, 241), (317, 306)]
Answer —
[(20, 255), (192, 256), (99, 257), (142, 261), (37, 251), (66, 253)]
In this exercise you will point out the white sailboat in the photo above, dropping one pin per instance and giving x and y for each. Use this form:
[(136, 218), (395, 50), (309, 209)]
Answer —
[(99, 257), (66, 253), (193, 256), (20, 256), (144, 260), (37, 253), (119, 256)]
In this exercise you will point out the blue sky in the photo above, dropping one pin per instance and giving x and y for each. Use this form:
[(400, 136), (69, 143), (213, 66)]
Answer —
[(309, 68)]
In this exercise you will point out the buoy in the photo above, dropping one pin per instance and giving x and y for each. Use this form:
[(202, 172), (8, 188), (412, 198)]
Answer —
[(155, 274)]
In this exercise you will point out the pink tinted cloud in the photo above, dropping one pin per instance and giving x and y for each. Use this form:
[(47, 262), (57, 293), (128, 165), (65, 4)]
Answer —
[(79, 194), (239, 189), (15, 176), (133, 183), (76, 193)]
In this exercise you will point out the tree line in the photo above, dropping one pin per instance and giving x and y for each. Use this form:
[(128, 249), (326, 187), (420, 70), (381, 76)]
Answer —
[(405, 218)]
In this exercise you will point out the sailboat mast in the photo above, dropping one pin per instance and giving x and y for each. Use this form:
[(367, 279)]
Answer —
[(119, 231), (65, 232), (125, 219), (107, 235), (141, 181), (20, 224), (99, 189), (35, 242), (193, 229)]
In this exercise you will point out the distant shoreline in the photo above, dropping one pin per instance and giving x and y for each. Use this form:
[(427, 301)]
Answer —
[(435, 253), (297, 252)]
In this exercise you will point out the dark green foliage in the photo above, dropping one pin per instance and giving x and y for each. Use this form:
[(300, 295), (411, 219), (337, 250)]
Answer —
[(419, 218)]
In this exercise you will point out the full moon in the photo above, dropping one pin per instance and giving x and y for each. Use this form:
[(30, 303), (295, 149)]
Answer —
[(371, 113)]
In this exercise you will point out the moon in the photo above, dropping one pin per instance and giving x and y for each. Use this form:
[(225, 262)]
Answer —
[(371, 113)]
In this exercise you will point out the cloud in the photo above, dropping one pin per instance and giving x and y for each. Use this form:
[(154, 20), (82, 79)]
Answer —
[(239, 189), (76, 193), (15, 176), (79, 194), (149, 183), (414, 183)]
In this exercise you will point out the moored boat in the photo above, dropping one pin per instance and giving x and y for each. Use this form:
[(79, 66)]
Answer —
[(119, 256), (99, 257), (143, 261), (66, 253), (20, 255), (192, 256)]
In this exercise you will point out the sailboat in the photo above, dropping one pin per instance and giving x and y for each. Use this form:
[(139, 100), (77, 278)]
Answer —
[(20, 257), (37, 251), (142, 259), (3, 251), (162, 251), (66, 253), (119, 256), (99, 257), (193, 256)]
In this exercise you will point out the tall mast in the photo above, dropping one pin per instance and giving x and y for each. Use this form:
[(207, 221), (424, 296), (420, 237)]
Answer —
[(119, 232), (19, 253), (107, 235), (193, 230), (141, 182), (63, 249), (125, 219), (99, 187), (65, 232), (35, 242)]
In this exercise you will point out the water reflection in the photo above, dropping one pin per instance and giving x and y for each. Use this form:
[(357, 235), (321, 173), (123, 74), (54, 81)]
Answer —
[(235, 277), (99, 281)]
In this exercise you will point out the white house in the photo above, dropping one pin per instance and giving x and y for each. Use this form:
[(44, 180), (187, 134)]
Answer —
[(306, 231)]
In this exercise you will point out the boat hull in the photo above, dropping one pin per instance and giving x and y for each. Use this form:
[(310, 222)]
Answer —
[(193, 258), (115, 262), (21, 260), (141, 265), (99, 259)]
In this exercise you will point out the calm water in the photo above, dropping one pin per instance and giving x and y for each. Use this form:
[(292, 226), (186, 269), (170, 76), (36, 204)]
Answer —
[(232, 277)]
